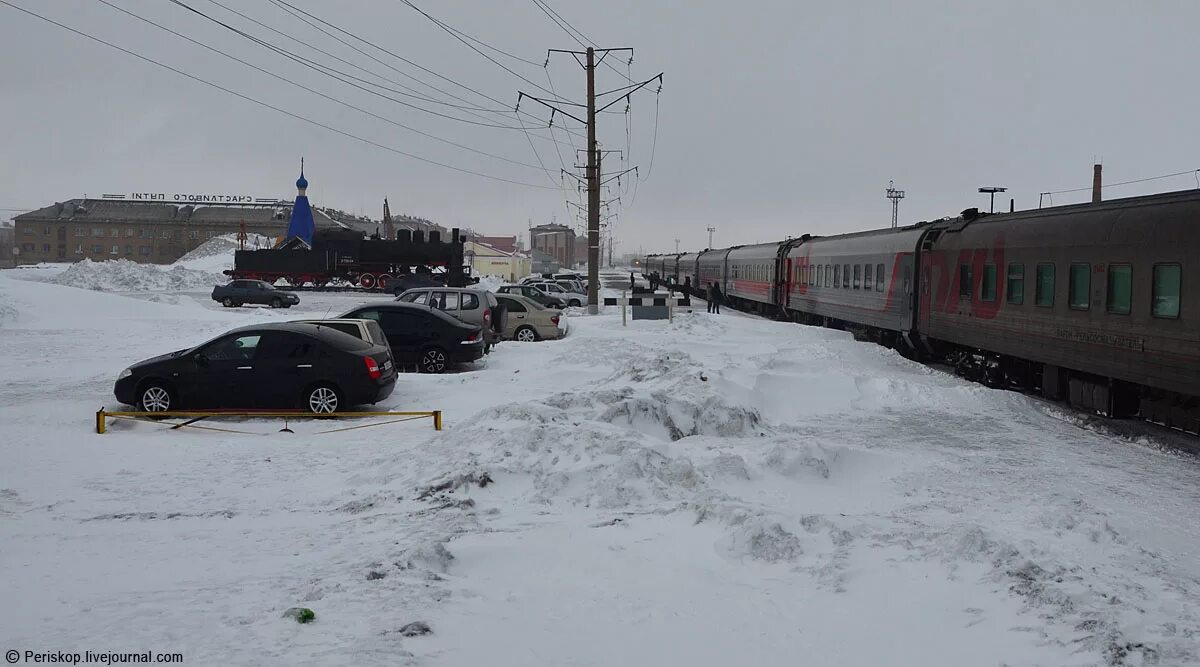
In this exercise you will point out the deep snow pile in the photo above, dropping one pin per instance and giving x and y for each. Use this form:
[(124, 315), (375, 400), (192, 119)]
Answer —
[(216, 254), (122, 275), (715, 490)]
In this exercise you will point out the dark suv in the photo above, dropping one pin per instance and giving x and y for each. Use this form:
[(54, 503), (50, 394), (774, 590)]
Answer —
[(282, 365), (422, 336)]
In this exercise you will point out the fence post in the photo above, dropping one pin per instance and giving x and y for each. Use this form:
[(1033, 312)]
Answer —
[(624, 303), (100, 421), (437, 420)]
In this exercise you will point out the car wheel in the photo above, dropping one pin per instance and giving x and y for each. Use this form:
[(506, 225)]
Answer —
[(154, 397), (322, 399), (276, 303), (228, 303), (525, 335), (433, 360), (574, 302)]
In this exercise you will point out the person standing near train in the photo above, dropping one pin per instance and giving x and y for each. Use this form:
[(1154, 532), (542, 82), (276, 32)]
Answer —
[(708, 296), (717, 296)]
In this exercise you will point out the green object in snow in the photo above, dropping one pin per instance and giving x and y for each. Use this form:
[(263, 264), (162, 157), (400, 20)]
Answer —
[(301, 614)]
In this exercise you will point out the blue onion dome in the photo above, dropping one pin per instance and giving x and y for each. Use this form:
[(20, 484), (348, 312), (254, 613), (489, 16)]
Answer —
[(302, 183)]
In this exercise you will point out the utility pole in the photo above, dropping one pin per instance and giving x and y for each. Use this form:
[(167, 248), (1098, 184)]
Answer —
[(593, 176), (711, 229), (894, 195)]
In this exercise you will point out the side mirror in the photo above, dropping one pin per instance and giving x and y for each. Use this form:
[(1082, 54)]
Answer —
[(200, 359)]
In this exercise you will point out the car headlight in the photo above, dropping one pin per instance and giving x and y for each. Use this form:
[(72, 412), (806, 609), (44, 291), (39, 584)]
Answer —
[(124, 374)]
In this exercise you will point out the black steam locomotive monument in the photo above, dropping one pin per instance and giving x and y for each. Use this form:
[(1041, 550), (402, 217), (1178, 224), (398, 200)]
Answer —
[(344, 257)]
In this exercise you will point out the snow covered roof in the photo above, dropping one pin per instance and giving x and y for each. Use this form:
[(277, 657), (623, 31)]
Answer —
[(100, 210)]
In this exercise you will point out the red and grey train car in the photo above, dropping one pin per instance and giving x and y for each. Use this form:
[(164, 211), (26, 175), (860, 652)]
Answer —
[(1098, 303)]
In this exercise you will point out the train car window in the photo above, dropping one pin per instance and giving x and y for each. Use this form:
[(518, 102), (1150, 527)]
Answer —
[(837, 275), (878, 277), (1167, 278), (867, 277), (1015, 289), (828, 272), (987, 288), (845, 276), (1080, 286), (1120, 288), (964, 281), (1044, 289), (858, 276)]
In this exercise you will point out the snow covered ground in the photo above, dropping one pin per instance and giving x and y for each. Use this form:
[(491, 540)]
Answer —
[(717, 490)]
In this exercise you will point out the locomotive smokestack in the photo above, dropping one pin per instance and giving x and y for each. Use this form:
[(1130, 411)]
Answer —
[(1096, 183)]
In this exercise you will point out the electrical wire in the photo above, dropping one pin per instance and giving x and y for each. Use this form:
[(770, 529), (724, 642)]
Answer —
[(1194, 172), (570, 30), (266, 104), (412, 92), (452, 33), (331, 72), (297, 10), (653, 142), (316, 92)]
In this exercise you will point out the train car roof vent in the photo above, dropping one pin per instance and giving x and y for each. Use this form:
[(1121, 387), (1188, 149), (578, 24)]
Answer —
[(805, 237), (970, 213)]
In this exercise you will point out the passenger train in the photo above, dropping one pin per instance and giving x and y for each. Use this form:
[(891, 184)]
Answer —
[(1097, 304)]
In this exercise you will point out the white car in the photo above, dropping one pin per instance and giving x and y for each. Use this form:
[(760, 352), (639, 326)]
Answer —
[(568, 297)]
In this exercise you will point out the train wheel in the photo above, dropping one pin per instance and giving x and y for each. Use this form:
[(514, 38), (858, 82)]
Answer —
[(384, 281), (366, 281)]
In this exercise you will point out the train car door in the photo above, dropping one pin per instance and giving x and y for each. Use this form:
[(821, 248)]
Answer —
[(789, 276)]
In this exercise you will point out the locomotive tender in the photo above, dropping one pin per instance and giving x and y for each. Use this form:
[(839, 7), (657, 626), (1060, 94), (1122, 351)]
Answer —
[(1097, 304)]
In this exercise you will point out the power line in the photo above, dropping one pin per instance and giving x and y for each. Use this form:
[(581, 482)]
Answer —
[(654, 142), (493, 48), (316, 92), (337, 74), (413, 92), (452, 33), (265, 104), (284, 3), (1194, 172), (572, 31)]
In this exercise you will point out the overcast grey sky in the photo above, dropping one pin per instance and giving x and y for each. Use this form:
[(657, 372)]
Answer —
[(775, 119)]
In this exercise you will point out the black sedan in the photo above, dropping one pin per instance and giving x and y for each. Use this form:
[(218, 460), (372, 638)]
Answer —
[(261, 292), (424, 336), (283, 365)]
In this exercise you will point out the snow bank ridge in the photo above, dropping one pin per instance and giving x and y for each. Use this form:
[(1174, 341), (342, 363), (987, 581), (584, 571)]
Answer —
[(122, 275)]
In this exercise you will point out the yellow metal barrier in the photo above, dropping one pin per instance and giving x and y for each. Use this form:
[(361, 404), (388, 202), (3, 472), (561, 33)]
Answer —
[(193, 416)]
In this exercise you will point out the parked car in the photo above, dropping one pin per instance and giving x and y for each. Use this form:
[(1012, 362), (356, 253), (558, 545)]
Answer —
[(529, 320), (531, 292), (237, 292), (402, 283), (424, 337), (554, 289), (472, 306), (281, 365), (367, 330)]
